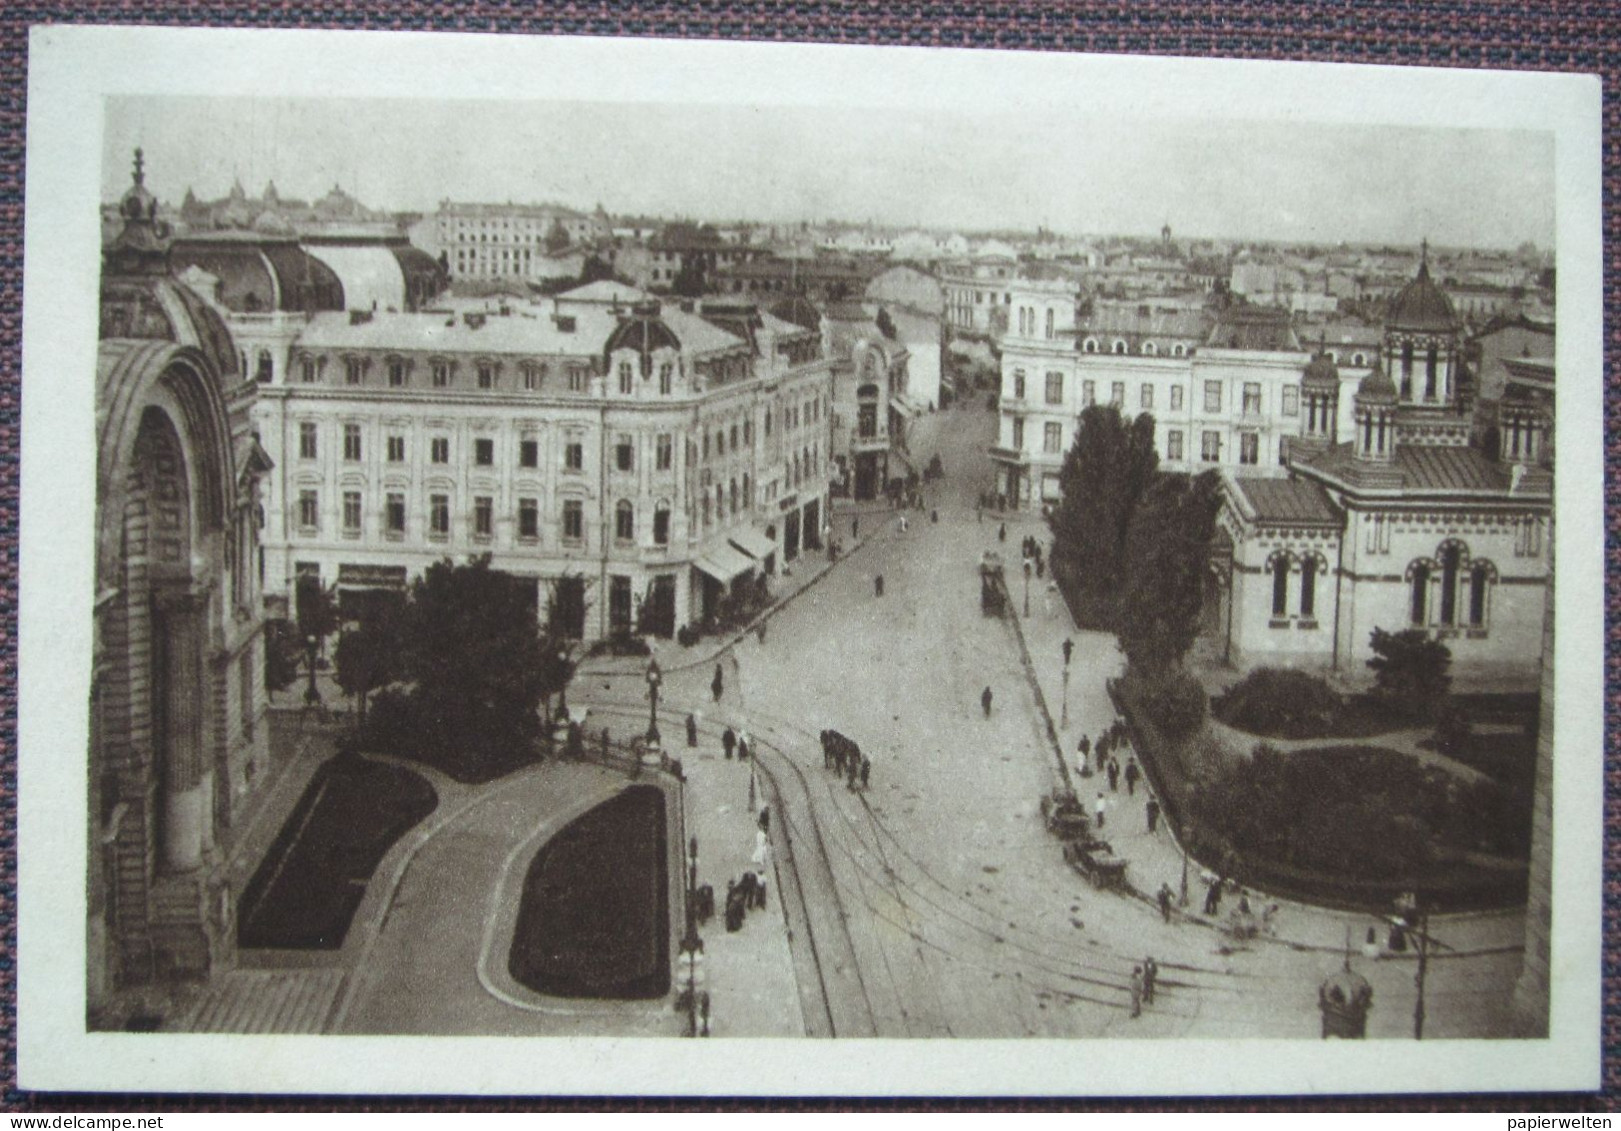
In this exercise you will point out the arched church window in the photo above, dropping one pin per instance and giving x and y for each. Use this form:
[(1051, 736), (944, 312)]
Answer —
[(1308, 587), (1420, 603), (1280, 585)]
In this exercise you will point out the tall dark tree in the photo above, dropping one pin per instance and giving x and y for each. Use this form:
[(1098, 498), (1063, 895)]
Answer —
[(1104, 475), (368, 655), (316, 610), (557, 240), (691, 280), (595, 269), (1167, 556), (1410, 671)]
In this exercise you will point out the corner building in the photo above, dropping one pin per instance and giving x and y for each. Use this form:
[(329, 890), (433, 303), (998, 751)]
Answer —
[(635, 461)]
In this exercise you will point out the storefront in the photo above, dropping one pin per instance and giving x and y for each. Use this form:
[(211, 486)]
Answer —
[(756, 545), (716, 571)]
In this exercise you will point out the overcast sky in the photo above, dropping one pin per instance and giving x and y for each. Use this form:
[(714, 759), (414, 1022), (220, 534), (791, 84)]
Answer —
[(1040, 165)]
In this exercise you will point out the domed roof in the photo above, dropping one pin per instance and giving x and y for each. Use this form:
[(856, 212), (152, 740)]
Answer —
[(1321, 372), (1376, 387), (643, 331), (1421, 305)]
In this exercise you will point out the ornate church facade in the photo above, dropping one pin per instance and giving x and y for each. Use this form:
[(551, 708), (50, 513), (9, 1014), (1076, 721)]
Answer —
[(1420, 519)]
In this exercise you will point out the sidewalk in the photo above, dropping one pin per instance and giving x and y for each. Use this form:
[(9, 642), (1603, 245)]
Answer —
[(1157, 858)]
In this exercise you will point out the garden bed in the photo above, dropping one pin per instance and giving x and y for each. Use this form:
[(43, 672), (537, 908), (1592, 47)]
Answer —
[(594, 917), (306, 890)]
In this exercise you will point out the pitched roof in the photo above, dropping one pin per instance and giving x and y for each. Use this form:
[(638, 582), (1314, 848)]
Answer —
[(1423, 468), (605, 291), (1296, 502)]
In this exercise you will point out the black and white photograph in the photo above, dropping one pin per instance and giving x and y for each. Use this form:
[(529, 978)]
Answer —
[(580, 546)]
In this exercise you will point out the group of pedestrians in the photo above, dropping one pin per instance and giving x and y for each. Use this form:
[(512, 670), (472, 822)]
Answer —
[(844, 757), (1144, 981)]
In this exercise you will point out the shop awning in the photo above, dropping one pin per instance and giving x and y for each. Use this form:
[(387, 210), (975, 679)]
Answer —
[(753, 542), (723, 563)]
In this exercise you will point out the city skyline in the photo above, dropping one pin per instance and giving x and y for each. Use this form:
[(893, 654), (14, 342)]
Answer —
[(1294, 183)]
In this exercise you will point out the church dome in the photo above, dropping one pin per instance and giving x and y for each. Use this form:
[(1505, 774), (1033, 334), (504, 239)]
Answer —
[(1376, 388), (643, 331), (1422, 306), (1322, 373)]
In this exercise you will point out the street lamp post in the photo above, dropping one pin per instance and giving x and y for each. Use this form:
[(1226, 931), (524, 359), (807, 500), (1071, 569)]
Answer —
[(654, 678), (1415, 920), (1064, 719), (312, 646), (1026, 587)]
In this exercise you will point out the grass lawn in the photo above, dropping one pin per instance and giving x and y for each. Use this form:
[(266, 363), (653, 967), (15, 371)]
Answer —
[(307, 888), (594, 921)]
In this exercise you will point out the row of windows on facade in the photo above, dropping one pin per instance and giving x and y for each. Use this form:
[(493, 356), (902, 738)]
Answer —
[(727, 499), (1432, 365), (1210, 443), (532, 375), (1250, 403), (794, 417), (1528, 534), (1447, 594)]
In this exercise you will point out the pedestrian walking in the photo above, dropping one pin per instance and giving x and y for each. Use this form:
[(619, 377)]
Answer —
[(718, 684), (1114, 776), (1132, 774), (878, 585), (692, 729), (985, 701), (743, 746), (1001, 533), (852, 770), (1212, 898), (1150, 979), (855, 526), (1100, 810), (866, 772), (1164, 897), (728, 740), (903, 524), (934, 515), (764, 820), (1069, 650), (1152, 811), (1136, 991)]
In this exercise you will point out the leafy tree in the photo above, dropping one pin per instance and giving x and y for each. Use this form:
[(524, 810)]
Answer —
[(595, 269), (557, 240), (1103, 476), (316, 610), (368, 653), (1167, 556), (1410, 671), (886, 324), (283, 650), (690, 281)]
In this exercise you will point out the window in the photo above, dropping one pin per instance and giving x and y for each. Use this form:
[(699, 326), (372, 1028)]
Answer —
[(731, 502), (1119, 346), (1252, 398), (1479, 578), (1176, 398), (1090, 345), (663, 452), (1419, 606), (351, 512), (1249, 447), (306, 370), (1049, 322), (624, 451), (396, 513), (439, 449), (396, 373), (354, 371), (1210, 447), (441, 374), (1150, 349), (666, 379), (1291, 401), (308, 441), (732, 440), (624, 521), (573, 520), (1449, 585), (1308, 589), (1018, 433), (309, 510), (748, 433), (486, 375), (1179, 350), (1055, 388), (484, 451), (1173, 444), (573, 456), (528, 519), (625, 378), (576, 379), (1089, 393), (528, 453), (267, 368), (396, 449), (1407, 371), (1018, 384), (748, 499), (1117, 394), (533, 377), (1147, 397), (661, 525), (438, 516), (351, 442), (720, 437), (1052, 441), (1431, 359), (1280, 586), (1212, 396)]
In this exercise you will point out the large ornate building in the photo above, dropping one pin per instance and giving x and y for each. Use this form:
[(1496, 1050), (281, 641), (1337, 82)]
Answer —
[(1406, 516), (178, 748), (634, 460)]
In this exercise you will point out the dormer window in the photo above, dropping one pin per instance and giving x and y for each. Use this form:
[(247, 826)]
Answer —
[(486, 374), (307, 370), (626, 378), (441, 374), (396, 373), (354, 371), (666, 378)]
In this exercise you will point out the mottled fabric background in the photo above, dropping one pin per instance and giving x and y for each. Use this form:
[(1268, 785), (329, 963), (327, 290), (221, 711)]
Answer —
[(1533, 36)]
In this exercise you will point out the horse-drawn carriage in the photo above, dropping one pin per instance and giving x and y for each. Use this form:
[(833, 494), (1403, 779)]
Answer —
[(992, 591), (1089, 855)]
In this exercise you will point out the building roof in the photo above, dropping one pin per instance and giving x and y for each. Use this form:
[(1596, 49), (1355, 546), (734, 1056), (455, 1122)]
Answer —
[(799, 310), (1295, 502), (1112, 318), (605, 291), (372, 277), (1423, 468), (1254, 328), (1421, 305), (520, 334), (1376, 386), (1321, 372)]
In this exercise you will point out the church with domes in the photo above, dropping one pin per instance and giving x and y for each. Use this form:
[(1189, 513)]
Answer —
[(1421, 518)]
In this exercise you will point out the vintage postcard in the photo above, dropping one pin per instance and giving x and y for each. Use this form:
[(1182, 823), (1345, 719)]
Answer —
[(596, 566)]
